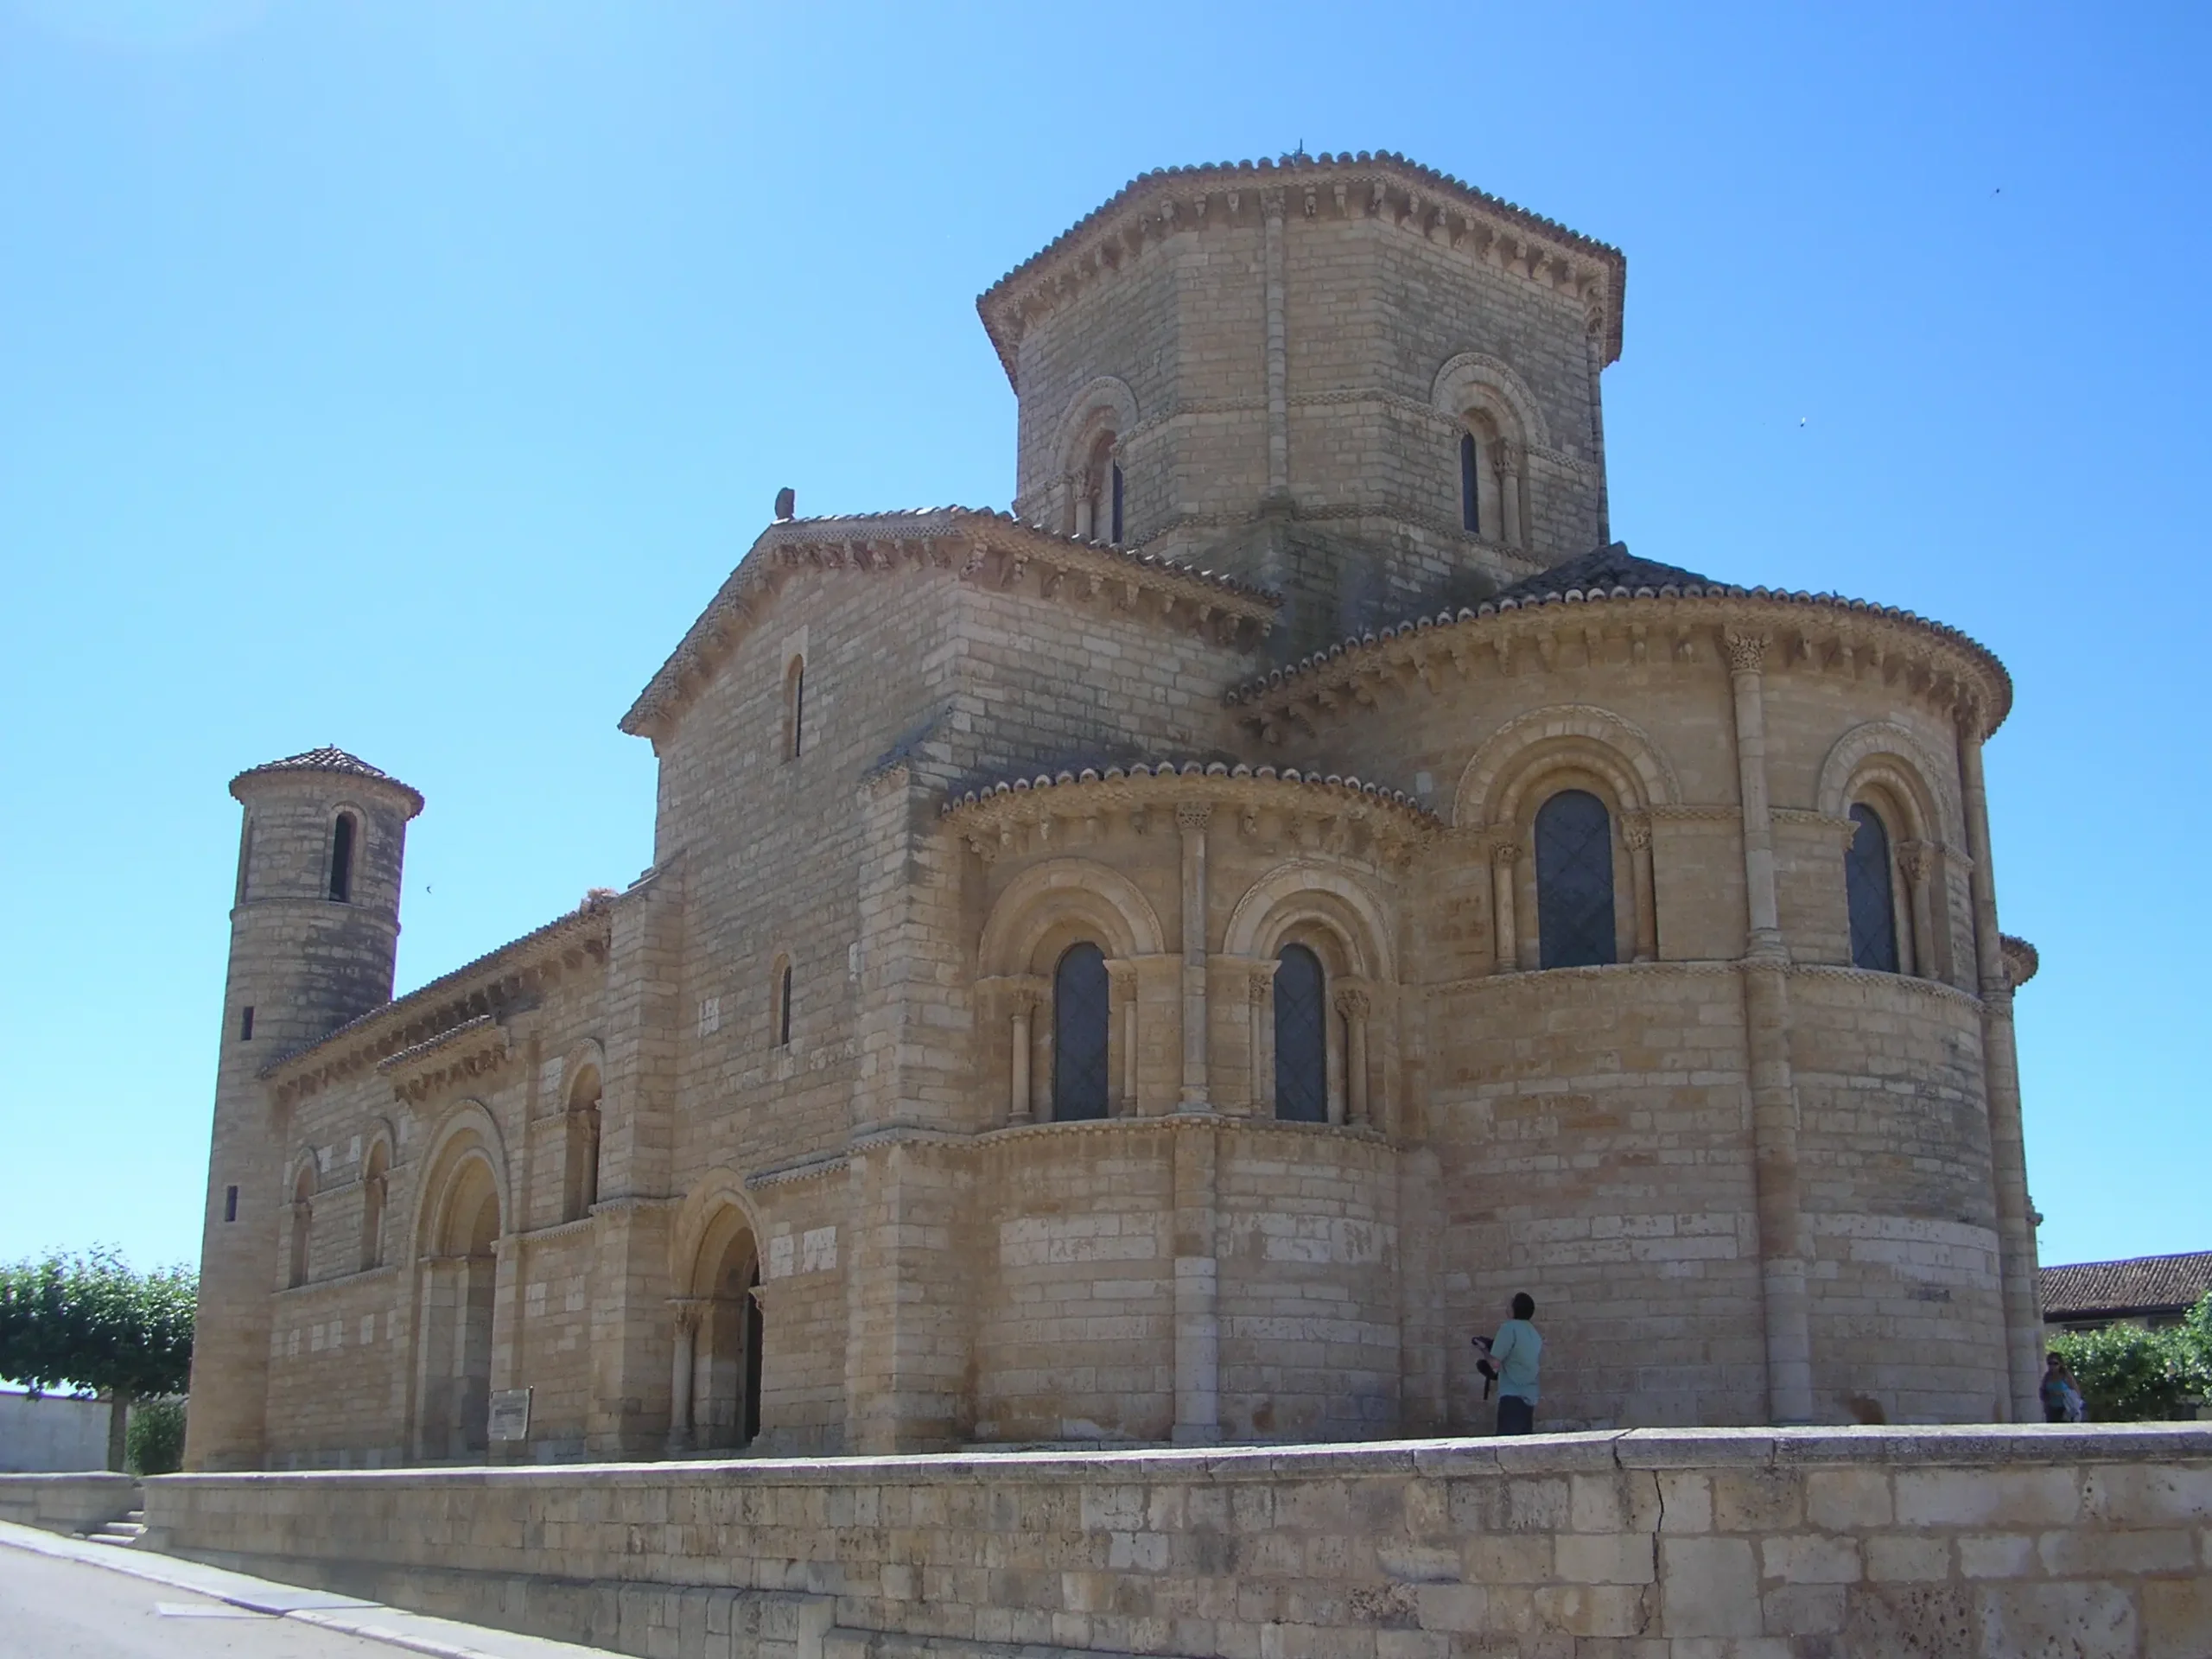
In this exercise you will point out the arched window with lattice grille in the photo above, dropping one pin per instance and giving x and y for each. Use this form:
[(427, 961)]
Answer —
[(1870, 888), (1574, 881), (1081, 1068), (1301, 1037)]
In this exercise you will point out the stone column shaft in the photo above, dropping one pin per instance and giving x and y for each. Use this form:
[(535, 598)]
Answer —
[(683, 1371), (1766, 1038), (1018, 1110), (2001, 1074), (1192, 820), (1278, 355), (1508, 946)]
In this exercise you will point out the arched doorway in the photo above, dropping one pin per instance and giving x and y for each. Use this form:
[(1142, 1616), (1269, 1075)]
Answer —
[(459, 1274), (727, 1332)]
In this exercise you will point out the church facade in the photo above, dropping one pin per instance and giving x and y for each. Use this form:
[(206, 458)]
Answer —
[(1168, 964)]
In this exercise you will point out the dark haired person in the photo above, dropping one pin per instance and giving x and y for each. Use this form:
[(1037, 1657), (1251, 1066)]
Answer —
[(1513, 1353)]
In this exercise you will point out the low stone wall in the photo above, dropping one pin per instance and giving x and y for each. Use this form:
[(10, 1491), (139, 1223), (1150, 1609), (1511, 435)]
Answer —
[(67, 1502), (53, 1434), (1647, 1544)]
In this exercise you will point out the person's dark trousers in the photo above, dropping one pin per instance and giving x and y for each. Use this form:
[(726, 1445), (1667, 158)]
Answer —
[(1515, 1416)]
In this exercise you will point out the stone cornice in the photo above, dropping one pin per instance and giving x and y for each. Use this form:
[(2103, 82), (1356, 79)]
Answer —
[(988, 549), (990, 815), (475, 1049), (1820, 632), (418, 1025), (1484, 229), (809, 1168)]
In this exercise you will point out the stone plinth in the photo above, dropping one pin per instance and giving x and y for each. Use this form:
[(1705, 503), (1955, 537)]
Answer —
[(1645, 1544)]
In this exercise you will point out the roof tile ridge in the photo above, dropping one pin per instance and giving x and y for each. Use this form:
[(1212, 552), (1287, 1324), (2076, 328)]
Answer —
[(1449, 617), (1340, 158), (592, 910)]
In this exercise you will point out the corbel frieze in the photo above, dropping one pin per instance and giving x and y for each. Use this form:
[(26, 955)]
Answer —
[(1921, 661), (1338, 815)]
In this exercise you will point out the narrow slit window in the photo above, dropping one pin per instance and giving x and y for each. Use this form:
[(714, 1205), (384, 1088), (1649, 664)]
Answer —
[(1080, 1069), (1471, 504), (1867, 887), (246, 1023), (341, 858), (784, 1007), (1574, 881), (1301, 1037), (230, 1204), (1116, 536), (795, 708)]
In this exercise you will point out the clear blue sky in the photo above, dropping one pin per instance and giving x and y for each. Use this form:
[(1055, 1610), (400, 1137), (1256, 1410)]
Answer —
[(406, 376)]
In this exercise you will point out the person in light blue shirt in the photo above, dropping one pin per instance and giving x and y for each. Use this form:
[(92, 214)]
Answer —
[(1515, 1351)]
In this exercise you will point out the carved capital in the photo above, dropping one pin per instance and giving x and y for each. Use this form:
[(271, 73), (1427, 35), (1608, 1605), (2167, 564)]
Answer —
[(687, 1311), (1192, 817), (1505, 455), (1024, 1000), (1636, 829), (1505, 851), (1353, 1003), (1916, 859), (1746, 652), (1259, 988)]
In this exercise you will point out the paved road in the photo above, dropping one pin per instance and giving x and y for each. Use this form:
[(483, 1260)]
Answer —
[(53, 1609), (68, 1598)]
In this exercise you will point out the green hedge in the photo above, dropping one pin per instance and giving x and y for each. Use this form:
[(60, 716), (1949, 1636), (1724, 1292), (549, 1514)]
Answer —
[(2127, 1374)]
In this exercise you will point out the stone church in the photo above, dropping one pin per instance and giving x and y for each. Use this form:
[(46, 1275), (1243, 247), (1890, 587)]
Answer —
[(1165, 965)]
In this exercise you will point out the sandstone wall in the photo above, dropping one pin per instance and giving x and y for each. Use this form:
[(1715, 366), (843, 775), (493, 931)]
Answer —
[(1751, 1544)]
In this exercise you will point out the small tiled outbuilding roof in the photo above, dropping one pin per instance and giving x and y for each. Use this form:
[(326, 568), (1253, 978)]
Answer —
[(330, 759), (2140, 1287)]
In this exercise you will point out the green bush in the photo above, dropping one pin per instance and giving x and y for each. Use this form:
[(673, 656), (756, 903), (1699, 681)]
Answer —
[(156, 1437), (2127, 1374)]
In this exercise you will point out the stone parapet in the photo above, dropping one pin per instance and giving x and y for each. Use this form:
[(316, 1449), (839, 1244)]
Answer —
[(1644, 1544)]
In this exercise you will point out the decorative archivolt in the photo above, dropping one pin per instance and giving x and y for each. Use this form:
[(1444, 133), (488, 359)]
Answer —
[(1885, 752), (585, 1055), (1080, 424), (1051, 895), (1476, 380), (713, 1211), (467, 1137), (1521, 750), (1306, 891), (304, 1163)]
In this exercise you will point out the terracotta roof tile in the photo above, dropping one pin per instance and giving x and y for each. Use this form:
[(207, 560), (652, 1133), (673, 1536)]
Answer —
[(2140, 1285), (328, 759)]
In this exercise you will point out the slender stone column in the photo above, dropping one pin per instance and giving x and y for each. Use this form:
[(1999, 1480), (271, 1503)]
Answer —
[(1636, 829), (1594, 341), (2001, 1071), (1501, 929), (1917, 860), (1259, 1066), (1191, 818), (1197, 1277), (1352, 1004), (1507, 458), (1766, 1032), (1278, 352), (1019, 1091), (682, 1370)]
